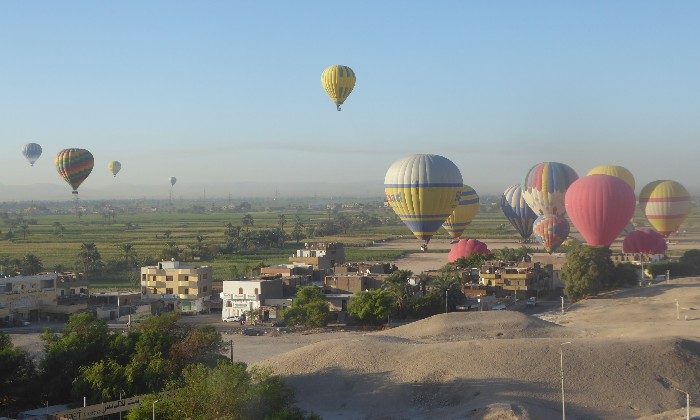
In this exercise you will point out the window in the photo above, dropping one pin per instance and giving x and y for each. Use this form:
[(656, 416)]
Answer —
[(168, 278), (155, 291), (169, 291), (204, 289), (186, 291), (153, 278), (204, 276), (256, 291), (240, 290), (228, 304), (143, 277), (187, 278)]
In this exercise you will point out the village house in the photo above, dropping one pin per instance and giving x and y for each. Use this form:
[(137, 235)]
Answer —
[(322, 256), (180, 288), (264, 296)]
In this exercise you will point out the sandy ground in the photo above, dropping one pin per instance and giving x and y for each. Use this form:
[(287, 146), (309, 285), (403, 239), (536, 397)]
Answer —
[(629, 351)]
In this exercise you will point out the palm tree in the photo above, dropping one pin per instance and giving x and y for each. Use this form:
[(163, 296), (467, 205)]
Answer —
[(450, 287), (128, 253), (58, 228), (25, 229), (89, 258), (397, 285), (247, 221), (281, 221), (31, 264)]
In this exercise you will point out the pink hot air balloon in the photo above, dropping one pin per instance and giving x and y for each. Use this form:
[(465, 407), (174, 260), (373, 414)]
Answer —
[(600, 206), (466, 248), (644, 241)]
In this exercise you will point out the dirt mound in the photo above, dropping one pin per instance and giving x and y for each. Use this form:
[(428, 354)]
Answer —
[(434, 368), (459, 326)]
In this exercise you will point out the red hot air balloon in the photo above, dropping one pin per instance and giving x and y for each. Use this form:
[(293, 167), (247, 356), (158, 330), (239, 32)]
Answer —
[(466, 248), (600, 206), (644, 241)]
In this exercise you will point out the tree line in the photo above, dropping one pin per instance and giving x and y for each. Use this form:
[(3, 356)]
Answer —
[(87, 360)]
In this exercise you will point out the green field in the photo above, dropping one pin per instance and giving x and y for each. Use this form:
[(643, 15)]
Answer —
[(149, 232)]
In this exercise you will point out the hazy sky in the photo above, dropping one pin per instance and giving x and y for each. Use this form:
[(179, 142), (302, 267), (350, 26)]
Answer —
[(224, 93)]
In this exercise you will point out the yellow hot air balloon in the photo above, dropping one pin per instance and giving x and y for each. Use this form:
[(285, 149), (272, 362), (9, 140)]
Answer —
[(338, 81), (616, 171), (463, 214), (666, 204), (423, 190), (114, 167)]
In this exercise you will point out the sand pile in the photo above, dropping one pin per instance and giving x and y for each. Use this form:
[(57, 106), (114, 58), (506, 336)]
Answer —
[(496, 365)]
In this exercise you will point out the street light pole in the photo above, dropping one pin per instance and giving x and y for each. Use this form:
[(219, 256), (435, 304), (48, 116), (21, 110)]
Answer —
[(678, 310), (154, 409), (561, 366), (445, 300), (562, 304), (687, 402)]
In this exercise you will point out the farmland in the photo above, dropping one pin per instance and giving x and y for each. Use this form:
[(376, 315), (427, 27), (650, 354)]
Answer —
[(57, 238)]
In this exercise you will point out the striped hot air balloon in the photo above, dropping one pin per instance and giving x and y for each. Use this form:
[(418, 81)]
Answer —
[(114, 167), (74, 166), (31, 152), (545, 185), (516, 210), (666, 205), (616, 171), (423, 190), (338, 82), (463, 214), (551, 231)]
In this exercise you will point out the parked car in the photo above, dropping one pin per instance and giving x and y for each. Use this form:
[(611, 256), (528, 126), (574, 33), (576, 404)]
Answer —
[(233, 319), (499, 307), (531, 301)]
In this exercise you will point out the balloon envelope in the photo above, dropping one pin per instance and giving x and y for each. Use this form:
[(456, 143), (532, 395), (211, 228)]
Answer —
[(463, 214), (616, 171), (423, 190), (31, 152), (74, 166), (600, 206), (644, 241), (666, 204), (114, 167), (544, 187), (338, 82), (172, 180), (551, 231), (466, 248), (516, 210)]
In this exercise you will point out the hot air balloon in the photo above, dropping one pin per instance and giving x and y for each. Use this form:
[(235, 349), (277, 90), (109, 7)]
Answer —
[(74, 165), (172, 180), (551, 231), (644, 241), (114, 167), (616, 171), (600, 206), (466, 248), (666, 204), (463, 214), (31, 152), (423, 190), (516, 210), (338, 81), (544, 187)]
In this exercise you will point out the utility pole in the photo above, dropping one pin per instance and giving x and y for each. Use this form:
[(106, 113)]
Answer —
[(445, 300), (231, 351), (562, 304), (561, 359)]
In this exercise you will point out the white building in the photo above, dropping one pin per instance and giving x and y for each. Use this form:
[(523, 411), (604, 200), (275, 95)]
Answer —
[(240, 296)]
